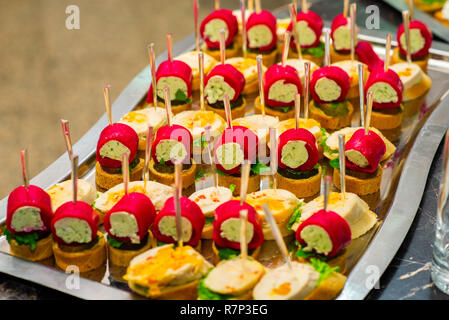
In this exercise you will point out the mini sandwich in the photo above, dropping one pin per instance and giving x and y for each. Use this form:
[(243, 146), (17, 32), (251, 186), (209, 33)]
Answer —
[(61, 193), (299, 65), (192, 221), (281, 85), (248, 67), (262, 37), (210, 32), (420, 43), (225, 79), (115, 140), (167, 272), (341, 38), (315, 281), (191, 58), (77, 241), (157, 192), (299, 171), (128, 224), (363, 153), (141, 119), (209, 200), (311, 124), (177, 75), (350, 207), (196, 121), (237, 144), (232, 279), (28, 219), (331, 144), (226, 231), (173, 143), (283, 205), (330, 107)]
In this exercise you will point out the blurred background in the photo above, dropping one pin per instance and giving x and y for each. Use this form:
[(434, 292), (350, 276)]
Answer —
[(49, 72)]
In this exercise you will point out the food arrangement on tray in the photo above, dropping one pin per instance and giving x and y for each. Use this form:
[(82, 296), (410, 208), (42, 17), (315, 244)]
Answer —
[(290, 129)]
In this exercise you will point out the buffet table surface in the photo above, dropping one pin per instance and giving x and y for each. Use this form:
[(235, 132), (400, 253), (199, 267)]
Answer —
[(407, 277)]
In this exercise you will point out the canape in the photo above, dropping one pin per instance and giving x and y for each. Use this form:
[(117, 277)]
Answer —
[(167, 272), (192, 221), (363, 153), (310, 27), (210, 32), (208, 200), (191, 58), (237, 144), (262, 37), (60, 193), (443, 14), (303, 281), (177, 75), (225, 79), (420, 43), (330, 107), (283, 205), (114, 140), (341, 38), (173, 143), (430, 5), (351, 207), (299, 171), (127, 225), (77, 241), (231, 280), (226, 231), (299, 65), (28, 218), (280, 86)]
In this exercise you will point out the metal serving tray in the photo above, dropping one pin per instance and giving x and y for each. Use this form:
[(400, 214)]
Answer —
[(367, 257)]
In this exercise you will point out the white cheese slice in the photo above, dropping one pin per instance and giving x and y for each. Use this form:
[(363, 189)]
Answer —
[(140, 120), (191, 58), (196, 120), (234, 276), (299, 65), (210, 198), (284, 283), (258, 124), (410, 73)]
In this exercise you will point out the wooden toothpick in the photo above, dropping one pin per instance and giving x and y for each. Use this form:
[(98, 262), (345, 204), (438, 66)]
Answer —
[(342, 161), (167, 99), (406, 21), (261, 84), (152, 57), (246, 165), (345, 8), (387, 52), (169, 47), (222, 46), (286, 48), (208, 137), (353, 30), (361, 94), (327, 181), (327, 54), (243, 241), (24, 161), (196, 24), (244, 32), (107, 102), (295, 30), (67, 138), (227, 107), (297, 109), (273, 156), (306, 91), (75, 178), (177, 199), (125, 171), (201, 70), (148, 144), (369, 108)]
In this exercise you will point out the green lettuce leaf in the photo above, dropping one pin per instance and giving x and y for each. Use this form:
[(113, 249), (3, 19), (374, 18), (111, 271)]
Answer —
[(232, 187), (29, 239), (205, 293), (227, 253), (114, 242), (210, 220), (181, 96), (295, 217), (317, 51), (323, 269), (335, 163)]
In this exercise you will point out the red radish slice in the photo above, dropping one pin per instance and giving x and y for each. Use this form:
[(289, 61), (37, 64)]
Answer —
[(340, 21), (137, 205), (370, 145), (122, 133), (304, 135), (173, 68), (32, 196), (173, 132), (79, 210), (233, 77), (231, 23), (333, 224), (231, 209), (314, 22), (390, 77), (263, 18), (189, 210), (245, 138), (366, 55), (334, 73), (288, 75), (425, 33)]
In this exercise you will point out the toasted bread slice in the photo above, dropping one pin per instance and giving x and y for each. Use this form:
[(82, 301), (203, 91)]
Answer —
[(178, 108), (272, 112), (302, 188), (329, 122), (232, 52), (226, 180), (105, 180), (267, 59), (187, 176), (236, 112), (385, 121), (42, 251), (121, 258), (329, 288), (86, 260), (253, 253), (359, 186), (422, 63)]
